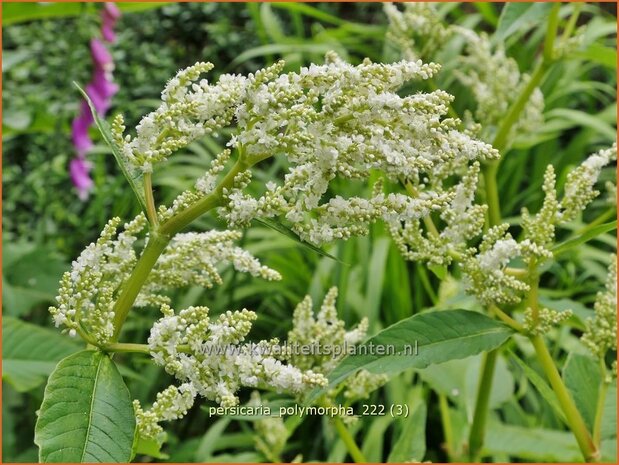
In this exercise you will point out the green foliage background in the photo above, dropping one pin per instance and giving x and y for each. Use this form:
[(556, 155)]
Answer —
[(45, 226)]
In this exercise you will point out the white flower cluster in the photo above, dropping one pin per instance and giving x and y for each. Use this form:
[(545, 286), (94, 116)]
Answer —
[(329, 121), (86, 296), (492, 77), (495, 81), (543, 319), (418, 31), (172, 403), (463, 220), (580, 184), (88, 292), (484, 266), (343, 120), (327, 330), (484, 271), (209, 355), (189, 111), (601, 333), (193, 259)]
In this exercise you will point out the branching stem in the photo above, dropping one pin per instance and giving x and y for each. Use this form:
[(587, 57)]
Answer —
[(159, 239), (489, 173)]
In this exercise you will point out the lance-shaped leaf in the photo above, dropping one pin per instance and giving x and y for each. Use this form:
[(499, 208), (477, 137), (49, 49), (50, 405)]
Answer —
[(87, 414), (422, 340), (133, 177)]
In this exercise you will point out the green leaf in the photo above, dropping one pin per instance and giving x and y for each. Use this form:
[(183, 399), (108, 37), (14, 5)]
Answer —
[(486, 10), (30, 353), (440, 271), (13, 13), (281, 49), (271, 23), (33, 277), (598, 53), (459, 380), (439, 336), (531, 444), (581, 118), (206, 448), (543, 388), (582, 238), (582, 378), (149, 447), (310, 11), (520, 17), (87, 413), (133, 178), (609, 415), (411, 444), (280, 228), (372, 447)]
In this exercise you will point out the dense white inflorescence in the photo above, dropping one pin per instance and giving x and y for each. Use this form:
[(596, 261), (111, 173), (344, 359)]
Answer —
[(88, 292), (326, 331), (330, 121), (194, 258), (493, 78), (86, 296), (484, 267), (210, 354), (172, 403), (601, 334)]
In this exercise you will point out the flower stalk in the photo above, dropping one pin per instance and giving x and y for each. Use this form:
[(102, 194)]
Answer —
[(489, 172), (576, 423), (349, 441)]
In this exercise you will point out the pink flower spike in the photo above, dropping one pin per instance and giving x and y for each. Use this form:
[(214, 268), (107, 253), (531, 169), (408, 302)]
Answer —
[(79, 170), (109, 15), (79, 134), (103, 84), (111, 10), (101, 57), (107, 31)]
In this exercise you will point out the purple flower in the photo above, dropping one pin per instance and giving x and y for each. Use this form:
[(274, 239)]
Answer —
[(110, 15), (101, 57), (79, 131), (100, 90), (79, 169)]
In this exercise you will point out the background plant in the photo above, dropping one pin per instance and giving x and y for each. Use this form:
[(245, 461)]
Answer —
[(576, 277)]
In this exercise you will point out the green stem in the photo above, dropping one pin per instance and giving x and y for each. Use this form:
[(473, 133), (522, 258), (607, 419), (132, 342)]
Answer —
[(574, 419), (513, 114), (571, 23), (126, 347), (478, 428), (156, 245), (608, 214), (151, 211), (348, 440), (551, 32), (489, 172), (533, 296), (158, 241), (447, 428), (508, 320), (185, 217)]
